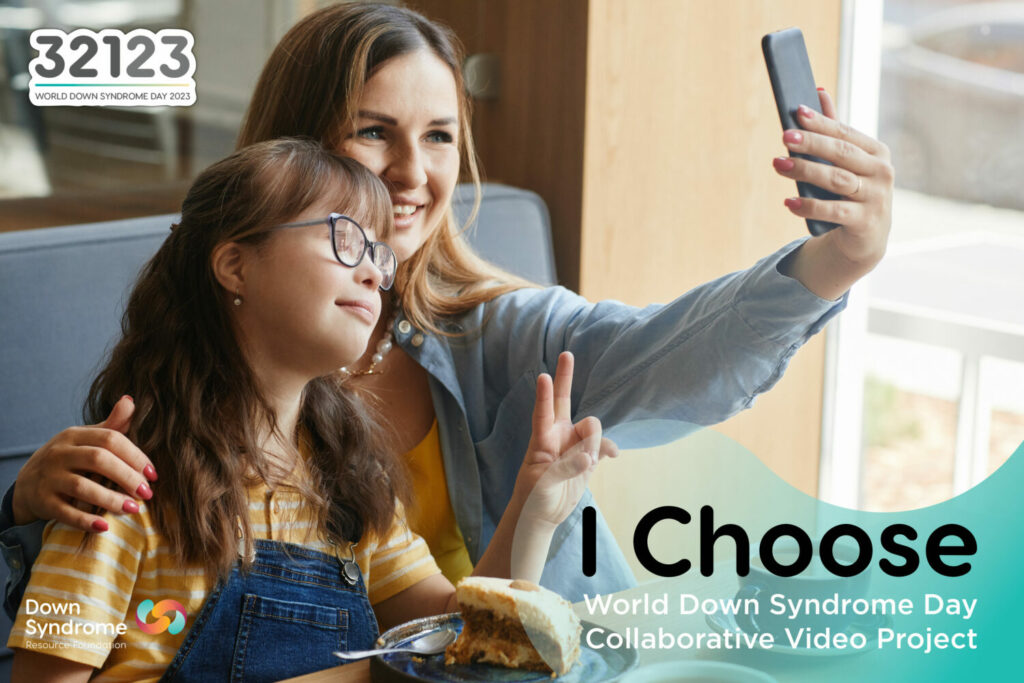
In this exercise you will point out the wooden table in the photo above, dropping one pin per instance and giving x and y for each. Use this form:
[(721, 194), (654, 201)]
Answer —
[(356, 672)]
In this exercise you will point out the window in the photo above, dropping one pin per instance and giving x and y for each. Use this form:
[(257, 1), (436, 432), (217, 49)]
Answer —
[(939, 353), (69, 165)]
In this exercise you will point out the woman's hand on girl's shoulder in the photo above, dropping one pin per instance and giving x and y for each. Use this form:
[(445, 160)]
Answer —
[(862, 174), (561, 455), (55, 483)]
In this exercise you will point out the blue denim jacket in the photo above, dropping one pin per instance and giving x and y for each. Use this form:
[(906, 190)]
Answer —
[(650, 374)]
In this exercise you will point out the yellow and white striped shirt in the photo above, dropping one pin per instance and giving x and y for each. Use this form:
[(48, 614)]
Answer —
[(81, 605)]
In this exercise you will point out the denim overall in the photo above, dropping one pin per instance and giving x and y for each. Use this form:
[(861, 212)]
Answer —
[(282, 618)]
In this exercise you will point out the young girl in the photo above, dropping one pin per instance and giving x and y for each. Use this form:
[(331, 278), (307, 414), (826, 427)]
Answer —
[(278, 535)]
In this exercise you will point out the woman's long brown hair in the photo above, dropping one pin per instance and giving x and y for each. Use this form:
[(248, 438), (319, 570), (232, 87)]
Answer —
[(199, 413), (311, 86)]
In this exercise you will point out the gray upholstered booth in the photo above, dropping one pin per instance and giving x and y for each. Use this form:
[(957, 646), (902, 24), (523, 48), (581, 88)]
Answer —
[(62, 290)]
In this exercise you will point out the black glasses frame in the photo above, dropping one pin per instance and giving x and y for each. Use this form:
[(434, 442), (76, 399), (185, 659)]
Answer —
[(369, 245)]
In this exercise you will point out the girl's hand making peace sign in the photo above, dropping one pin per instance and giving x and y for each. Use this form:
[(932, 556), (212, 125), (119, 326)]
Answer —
[(555, 471)]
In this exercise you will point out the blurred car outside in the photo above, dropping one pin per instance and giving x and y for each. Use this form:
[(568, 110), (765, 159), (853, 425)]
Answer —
[(952, 103)]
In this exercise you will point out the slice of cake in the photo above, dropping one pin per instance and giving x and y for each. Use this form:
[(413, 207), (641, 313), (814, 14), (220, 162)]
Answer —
[(515, 624)]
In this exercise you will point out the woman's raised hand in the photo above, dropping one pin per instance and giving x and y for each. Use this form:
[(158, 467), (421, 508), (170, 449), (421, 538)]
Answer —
[(561, 455), (55, 483), (863, 175)]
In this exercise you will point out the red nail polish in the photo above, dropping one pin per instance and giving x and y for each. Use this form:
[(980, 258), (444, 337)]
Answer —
[(805, 111), (144, 492), (783, 163), (794, 203), (149, 472), (130, 506), (821, 89), (794, 137), (99, 525), (129, 398)]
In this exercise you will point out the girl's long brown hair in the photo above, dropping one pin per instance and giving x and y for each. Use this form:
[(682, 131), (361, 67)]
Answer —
[(199, 413), (311, 86)]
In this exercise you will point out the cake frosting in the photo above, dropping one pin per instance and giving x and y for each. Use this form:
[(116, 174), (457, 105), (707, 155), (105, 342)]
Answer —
[(515, 624)]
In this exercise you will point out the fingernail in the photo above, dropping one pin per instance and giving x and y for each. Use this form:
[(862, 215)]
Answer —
[(793, 137), (794, 202), (821, 89), (149, 472), (783, 163), (144, 492), (129, 398), (99, 525), (130, 506), (805, 111)]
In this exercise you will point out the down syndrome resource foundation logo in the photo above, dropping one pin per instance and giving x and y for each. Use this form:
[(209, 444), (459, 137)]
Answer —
[(163, 622)]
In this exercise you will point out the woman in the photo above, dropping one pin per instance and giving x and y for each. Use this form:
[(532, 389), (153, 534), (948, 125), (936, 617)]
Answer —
[(454, 371)]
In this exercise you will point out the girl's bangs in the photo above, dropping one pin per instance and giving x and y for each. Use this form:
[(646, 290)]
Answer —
[(362, 196)]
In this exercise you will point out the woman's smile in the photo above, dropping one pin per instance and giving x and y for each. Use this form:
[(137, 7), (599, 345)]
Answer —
[(407, 211)]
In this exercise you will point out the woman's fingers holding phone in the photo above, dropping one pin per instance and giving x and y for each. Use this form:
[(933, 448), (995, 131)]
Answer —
[(831, 127), (845, 213), (844, 153), (828, 107), (861, 174), (832, 178)]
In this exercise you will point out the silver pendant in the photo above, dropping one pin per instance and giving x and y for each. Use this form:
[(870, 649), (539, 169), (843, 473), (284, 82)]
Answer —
[(350, 572), (349, 569)]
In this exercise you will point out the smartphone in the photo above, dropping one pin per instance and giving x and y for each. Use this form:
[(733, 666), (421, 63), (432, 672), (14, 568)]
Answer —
[(793, 84)]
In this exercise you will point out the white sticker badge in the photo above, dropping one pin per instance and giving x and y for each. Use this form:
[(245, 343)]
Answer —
[(111, 68)]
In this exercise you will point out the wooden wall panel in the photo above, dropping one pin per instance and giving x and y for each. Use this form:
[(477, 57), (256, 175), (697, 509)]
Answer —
[(532, 136), (678, 183)]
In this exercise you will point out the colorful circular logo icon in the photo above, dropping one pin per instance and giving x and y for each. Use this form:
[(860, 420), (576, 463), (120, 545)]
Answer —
[(160, 610)]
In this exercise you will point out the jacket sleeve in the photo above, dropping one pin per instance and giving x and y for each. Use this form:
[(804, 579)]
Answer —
[(652, 374), (20, 547)]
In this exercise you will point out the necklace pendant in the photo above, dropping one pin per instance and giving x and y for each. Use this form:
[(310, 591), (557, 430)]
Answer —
[(350, 572)]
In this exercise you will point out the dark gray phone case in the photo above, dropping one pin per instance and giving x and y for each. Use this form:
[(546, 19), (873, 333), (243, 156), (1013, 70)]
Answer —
[(793, 84)]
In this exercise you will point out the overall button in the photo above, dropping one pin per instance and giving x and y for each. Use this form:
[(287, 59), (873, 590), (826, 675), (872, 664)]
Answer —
[(417, 339), (405, 327)]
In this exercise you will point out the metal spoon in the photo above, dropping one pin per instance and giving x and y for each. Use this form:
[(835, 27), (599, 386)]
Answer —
[(428, 644)]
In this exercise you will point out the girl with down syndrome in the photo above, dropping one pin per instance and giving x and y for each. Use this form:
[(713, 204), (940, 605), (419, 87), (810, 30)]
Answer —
[(279, 532), (454, 360)]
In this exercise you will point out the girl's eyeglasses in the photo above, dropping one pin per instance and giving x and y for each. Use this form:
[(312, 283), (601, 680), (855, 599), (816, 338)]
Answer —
[(350, 246)]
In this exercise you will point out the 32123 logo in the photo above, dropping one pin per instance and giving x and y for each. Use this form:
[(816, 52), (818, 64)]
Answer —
[(112, 68), (163, 622)]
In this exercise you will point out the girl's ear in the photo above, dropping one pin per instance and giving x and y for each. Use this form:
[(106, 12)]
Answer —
[(228, 263)]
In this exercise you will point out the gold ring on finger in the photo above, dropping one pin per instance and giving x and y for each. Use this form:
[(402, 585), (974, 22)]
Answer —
[(860, 182)]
